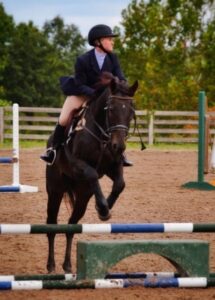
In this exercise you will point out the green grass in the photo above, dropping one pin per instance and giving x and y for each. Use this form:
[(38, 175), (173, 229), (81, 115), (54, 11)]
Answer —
[(23, 144), (162, 146)]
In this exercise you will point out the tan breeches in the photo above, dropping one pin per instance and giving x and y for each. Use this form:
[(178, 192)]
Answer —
[(71, 104)]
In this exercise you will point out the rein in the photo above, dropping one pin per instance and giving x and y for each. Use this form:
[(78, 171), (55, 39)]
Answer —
[(143, 147)]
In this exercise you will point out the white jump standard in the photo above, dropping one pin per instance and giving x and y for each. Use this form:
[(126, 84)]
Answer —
[(16, 186)]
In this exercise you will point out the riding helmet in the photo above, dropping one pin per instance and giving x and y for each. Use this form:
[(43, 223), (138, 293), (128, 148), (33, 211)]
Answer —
[(99, 31)]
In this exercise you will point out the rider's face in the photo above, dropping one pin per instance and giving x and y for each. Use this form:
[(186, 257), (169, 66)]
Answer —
[(107, 43)]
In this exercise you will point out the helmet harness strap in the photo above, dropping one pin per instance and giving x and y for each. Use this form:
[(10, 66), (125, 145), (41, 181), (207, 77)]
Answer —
[(101, 46)]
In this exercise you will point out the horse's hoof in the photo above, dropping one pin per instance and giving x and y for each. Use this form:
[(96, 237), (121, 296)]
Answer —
[(51, 272), (50, 269), (103, 216), (67, 268)]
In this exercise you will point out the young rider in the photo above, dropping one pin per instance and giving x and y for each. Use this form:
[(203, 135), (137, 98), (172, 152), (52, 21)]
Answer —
[(88, 68)]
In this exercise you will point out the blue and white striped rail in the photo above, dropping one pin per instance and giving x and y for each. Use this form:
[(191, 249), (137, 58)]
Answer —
[(106, 228), (183, 282), (186, 282)]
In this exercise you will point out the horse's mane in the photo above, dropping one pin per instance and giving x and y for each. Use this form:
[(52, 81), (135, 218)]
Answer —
[(105, 80)]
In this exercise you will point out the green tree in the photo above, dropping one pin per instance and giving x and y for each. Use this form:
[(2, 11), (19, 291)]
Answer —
[(36, 60), (160, 47), (66, 39), (7, 28), (29, 77), (207, 63)]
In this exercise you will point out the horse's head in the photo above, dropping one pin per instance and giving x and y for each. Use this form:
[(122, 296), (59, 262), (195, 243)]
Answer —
[(119, 110)]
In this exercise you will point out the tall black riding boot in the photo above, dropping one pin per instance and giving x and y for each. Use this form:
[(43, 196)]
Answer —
[(126, 162), (58, 138)]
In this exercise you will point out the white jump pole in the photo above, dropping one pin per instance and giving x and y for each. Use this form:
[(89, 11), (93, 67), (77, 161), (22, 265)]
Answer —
[(16, 144), (16, 186)]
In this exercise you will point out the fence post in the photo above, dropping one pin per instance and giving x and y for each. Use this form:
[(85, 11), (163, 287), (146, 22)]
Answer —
[(151, 129), (1, 124)]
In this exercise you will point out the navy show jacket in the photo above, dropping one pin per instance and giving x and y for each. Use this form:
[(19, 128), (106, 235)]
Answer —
[(87, 73)]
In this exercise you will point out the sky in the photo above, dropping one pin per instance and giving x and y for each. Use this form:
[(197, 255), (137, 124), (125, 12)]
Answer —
[(83, 13)]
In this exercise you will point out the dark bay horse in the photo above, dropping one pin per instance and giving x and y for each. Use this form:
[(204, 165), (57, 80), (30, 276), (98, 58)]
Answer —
[(92, 152)]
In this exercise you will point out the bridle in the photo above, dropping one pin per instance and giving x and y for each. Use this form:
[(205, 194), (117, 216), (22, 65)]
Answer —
[(122, 127), (117, 127), (107, 132)]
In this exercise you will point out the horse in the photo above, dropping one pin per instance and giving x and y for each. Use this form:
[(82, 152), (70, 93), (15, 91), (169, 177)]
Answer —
[(90, 153)]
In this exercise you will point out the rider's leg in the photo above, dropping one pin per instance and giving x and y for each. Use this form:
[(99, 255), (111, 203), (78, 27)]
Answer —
[(71, 104)]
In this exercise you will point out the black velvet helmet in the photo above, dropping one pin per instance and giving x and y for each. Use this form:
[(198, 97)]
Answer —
[(99, 31)]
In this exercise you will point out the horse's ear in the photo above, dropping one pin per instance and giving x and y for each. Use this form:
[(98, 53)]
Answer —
[(133, 88)]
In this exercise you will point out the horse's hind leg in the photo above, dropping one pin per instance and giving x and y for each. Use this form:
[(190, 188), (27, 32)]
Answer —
[(54, 201), (82, 196)]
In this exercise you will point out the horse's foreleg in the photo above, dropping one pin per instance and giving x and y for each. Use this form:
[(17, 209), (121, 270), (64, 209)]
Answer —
[(117, 188), (90, 175), (67, 266), (101, 203), (51, 260), (54, 201)]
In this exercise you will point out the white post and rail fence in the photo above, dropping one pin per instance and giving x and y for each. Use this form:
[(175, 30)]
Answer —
[(36, 123)]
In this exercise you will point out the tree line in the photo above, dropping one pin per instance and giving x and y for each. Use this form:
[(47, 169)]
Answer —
[(168, 45)]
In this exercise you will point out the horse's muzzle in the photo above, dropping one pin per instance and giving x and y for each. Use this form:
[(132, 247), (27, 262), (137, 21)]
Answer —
[(117, 143)]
